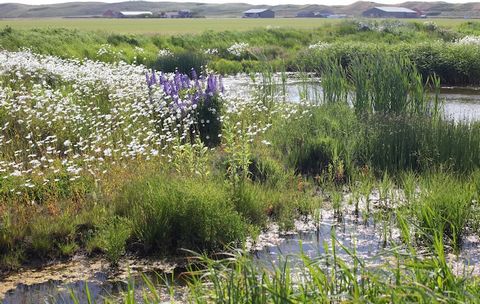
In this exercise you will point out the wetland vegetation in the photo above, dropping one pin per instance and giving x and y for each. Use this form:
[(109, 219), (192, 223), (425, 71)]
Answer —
[(102, 154)]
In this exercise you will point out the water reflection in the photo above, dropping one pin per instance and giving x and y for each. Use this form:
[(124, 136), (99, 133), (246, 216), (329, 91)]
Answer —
[(102, 284), (370, 240), (460, 103)]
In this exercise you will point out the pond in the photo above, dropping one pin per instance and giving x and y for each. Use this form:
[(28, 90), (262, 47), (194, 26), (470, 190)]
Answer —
[(460, 103)]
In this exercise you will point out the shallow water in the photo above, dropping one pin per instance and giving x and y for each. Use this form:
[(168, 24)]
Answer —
[(460, 103), (375, 243), (57, 291), (350, 230)]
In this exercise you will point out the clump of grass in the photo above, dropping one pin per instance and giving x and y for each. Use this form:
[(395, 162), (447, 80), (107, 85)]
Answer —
[(168, 214), (379, 82), (322, 141), (385, 83), (182, 61), (224, 66), (397, 143), (251, 202), (268, 171), (334, 80), (444, 207), (409, 181), (112, 237)]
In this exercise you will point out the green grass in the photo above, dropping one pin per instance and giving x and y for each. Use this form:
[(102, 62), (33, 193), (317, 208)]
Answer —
[(333, 141), (331, 279), (281, 44), (444, 207), (168, 214), (164, 26), (182, 26)]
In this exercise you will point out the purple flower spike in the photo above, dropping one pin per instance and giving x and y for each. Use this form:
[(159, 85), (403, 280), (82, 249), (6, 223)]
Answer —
[(194, 74), (147, 79), (183, 90)]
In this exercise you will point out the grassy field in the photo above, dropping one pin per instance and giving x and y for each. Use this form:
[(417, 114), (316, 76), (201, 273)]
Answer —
[(179, 26), (434, 45), (164, 26)]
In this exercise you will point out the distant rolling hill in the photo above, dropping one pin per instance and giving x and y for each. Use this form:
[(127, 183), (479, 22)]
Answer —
[(78, 9)]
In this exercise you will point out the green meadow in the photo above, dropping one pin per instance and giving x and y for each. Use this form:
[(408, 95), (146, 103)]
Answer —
[(164, 26), (182, 26)]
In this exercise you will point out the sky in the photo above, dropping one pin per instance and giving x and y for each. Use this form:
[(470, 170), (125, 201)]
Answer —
[(267, 2)]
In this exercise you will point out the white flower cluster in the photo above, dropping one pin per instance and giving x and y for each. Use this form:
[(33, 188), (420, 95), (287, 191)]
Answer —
[(139, 50), (430, 25), (469, 40), (107, 50), (71, 117), (319, 46), (211, 51), (385, 26), (238, 49), (164, 53)]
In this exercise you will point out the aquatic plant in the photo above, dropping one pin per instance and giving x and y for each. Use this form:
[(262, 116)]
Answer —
[(444, 207), (329, 278)]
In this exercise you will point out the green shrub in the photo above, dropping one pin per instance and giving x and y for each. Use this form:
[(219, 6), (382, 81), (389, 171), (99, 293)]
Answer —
[(226, 67), (183, 61)]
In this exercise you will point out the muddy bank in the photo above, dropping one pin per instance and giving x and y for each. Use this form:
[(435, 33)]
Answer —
[(54, 282)]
